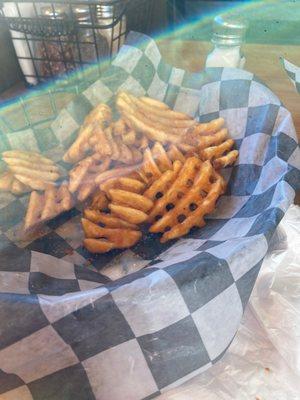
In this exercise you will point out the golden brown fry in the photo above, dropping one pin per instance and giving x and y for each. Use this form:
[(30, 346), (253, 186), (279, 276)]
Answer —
[(128, 214), (124, 183), (16, 162), (129, 199), (149, 117), (107, 220), (28, 156), (39, 174), (224, 161), (140, 125), (170, 114), (154, 103), (99, 201), (6, 181), (98, 246), (34, 183), (162, 184), (18, 188), (175, 192), (119, 238), (119, 127), (208, 140), (210, 127), (175, 154), (213, 152), (191, 195), (115, 173), (207, 206), (51, 203), (100, 116)]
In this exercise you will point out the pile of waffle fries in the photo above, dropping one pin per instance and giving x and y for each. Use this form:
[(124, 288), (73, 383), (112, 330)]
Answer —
[(152, 167)]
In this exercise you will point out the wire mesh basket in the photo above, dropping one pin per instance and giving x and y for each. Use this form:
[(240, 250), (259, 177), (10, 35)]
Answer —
[(54, 39)]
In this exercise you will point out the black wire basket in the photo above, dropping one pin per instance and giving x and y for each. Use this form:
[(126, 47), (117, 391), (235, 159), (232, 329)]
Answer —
[(54, 39)]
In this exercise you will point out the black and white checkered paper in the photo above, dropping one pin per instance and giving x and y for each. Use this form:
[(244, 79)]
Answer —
[(67, 331), (293, 72)]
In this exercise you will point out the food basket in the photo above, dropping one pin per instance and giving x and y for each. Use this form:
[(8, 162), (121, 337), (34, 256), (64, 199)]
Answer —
[(132, 324)]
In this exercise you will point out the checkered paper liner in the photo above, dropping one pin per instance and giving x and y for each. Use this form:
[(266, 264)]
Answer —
[(67, 331), (293, 72)]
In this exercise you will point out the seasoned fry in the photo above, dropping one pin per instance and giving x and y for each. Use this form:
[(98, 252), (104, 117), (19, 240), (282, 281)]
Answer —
[(6, 181), (213, 152), (184, 205), (99, 201), (134, 200), (128, 214), (18, 188), (107, 220), (28, 156), (115, 173), (39, 174), (226, 160), (17, 162), (183, 183), (82, 176), (100, 116), (109, 238), (124, 183), (209, 128), (34, 183), (48, 205)]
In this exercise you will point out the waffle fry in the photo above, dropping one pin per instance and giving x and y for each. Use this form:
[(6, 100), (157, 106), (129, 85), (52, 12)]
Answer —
[(18, 188), (107, 145), (140, 123), (107, 220), (27, 156), (208, 128), (99, 201), (214, 152), (175, 192), (99, 116), (101, 240), (6, 181), (224, 161), (30, 171), (43, 207), (124, 183), (192, 195), (82, 176)]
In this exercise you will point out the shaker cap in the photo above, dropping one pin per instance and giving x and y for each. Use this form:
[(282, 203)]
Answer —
[(228, 30)]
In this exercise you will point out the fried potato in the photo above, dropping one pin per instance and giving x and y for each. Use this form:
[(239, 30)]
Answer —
[(32, 173), (34, 183), (99, 201), (98, 118), (6, 181), (130, 199), (107, 220), (192, 195), (128, 214), (224, 161), (214, 152), (176, 191), (17, 162), (28, 156), (124, 183), (43, 207), (18, 188), (118, 238)]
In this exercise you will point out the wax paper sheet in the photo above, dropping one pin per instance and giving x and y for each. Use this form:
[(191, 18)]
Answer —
[(293, 72), (133, 324)]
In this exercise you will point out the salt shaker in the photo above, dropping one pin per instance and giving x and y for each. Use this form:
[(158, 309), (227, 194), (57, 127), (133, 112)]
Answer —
[(228, 36)]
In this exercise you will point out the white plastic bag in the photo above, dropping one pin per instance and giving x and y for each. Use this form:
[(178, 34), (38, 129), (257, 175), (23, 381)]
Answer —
[(263, 362)]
